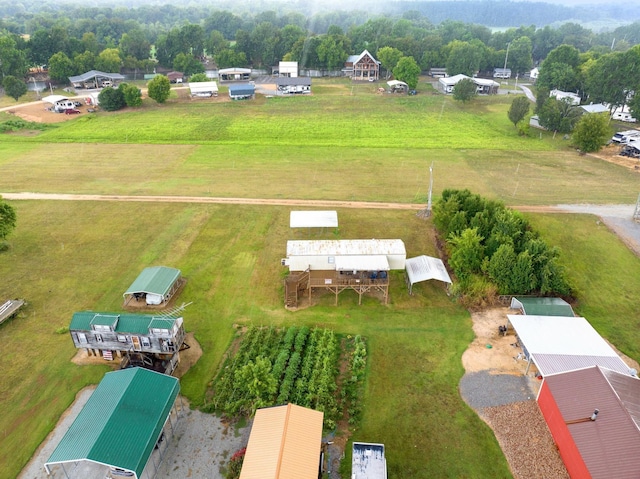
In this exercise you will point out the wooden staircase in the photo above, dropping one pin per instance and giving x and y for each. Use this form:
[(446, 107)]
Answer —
[(293, 284)]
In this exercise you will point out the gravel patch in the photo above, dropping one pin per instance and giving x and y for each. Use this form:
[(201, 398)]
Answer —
[(485, 389)]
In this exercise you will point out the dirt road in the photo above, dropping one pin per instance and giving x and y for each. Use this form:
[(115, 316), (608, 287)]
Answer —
[(213, 200)]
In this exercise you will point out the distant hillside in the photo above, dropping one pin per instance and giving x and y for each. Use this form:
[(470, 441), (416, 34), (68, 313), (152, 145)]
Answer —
[(503, 13)]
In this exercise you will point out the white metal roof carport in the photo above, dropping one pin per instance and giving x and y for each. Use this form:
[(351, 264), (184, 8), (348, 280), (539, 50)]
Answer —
[(424, 268), (557, 344)]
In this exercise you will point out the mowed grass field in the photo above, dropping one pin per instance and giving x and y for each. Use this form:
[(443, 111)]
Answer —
[(69, 256)]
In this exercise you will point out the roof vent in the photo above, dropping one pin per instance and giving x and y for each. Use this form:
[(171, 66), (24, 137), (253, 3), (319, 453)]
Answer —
[(594, 416)]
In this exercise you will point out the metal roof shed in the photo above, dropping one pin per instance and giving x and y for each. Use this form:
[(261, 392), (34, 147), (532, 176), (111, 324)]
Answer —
[(424, 268), (368, 461), (157, 283), (542, 306), (313, 219), (203, 88), (603, 446), (121, 422), (557, 344), (285, 443), (242, 91)]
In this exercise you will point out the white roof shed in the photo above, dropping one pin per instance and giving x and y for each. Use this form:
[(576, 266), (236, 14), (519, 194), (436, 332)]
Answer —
[(203, 87), (558, 344), (425, 268), (313, 219)]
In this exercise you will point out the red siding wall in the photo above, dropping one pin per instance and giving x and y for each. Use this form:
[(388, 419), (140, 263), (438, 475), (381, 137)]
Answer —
[(568, 450)]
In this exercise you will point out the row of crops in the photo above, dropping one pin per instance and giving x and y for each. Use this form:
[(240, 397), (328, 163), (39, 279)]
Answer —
[(299, 365)]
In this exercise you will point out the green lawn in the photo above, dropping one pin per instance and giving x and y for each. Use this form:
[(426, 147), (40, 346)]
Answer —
[(69, 256)]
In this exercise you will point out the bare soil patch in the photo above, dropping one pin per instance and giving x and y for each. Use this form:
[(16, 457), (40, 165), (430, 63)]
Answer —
[(39, 113), (610, 153)]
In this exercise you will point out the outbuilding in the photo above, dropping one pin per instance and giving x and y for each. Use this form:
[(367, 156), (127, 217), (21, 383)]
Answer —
[(556, 344), (120, 428), (234, 74), (425, 268), (285, 443), (293, 85), (242, 91), (536, 306), (155, 285), (204, 89), (95, 79), (397, 86), (368, 461), (593, 415)]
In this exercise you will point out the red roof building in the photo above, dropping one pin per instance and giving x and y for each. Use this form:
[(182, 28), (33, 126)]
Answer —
[(594, 417)]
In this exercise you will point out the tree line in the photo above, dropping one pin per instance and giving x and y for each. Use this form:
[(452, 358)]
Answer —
[(493, 250), (122, 39)]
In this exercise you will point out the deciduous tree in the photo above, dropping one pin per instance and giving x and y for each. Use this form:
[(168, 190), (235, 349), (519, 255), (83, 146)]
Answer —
[(131, 94), (8, 219), (13, 87), (60, 67), (111, 99), (408, 71), (389, 58), (592, 132), (159, 88), (109, 60), (518, 110), (465, 90)]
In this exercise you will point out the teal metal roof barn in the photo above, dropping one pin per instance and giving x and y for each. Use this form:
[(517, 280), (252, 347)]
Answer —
[(120, 424), (155, 284), (542, 306)]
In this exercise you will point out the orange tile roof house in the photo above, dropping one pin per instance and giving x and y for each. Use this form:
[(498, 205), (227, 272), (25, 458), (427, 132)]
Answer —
[(285, 443)]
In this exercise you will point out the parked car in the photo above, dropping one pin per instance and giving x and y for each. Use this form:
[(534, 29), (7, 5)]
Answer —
[(71, 111)]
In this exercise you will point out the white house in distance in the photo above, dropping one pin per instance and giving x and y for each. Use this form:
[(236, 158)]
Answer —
[(362, 67), (572, 98), (288, 69), (484, 86)]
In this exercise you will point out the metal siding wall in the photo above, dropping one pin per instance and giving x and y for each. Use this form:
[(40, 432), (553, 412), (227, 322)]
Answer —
[(569, 452)]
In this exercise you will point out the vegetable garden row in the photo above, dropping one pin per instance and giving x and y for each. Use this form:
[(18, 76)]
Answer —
[(273, 366)]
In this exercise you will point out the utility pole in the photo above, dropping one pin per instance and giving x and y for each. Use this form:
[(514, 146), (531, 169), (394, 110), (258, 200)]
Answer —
[(506, 56), (427, 211)]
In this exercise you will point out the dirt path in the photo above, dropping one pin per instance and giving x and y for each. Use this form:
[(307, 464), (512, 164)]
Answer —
[(213, 200)]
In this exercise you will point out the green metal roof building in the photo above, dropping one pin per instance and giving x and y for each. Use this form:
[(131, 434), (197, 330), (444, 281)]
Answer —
[(542, 306), (120, 424), (156, 284)]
